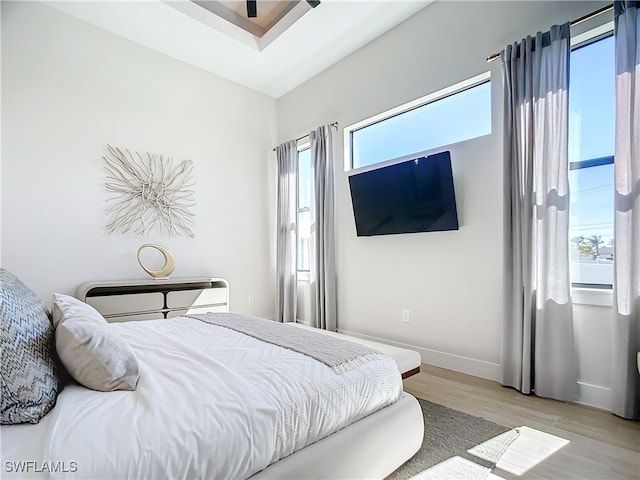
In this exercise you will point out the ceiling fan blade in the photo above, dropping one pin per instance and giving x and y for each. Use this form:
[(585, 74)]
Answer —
[(252, 8)]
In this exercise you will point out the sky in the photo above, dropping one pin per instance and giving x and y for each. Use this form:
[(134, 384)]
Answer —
[(591, 135), (452, 119)]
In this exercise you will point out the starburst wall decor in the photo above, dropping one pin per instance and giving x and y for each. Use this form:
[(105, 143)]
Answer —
[(149, 193)]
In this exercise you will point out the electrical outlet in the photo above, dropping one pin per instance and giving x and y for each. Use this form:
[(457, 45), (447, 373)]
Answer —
[(405, 316), (251, 299)]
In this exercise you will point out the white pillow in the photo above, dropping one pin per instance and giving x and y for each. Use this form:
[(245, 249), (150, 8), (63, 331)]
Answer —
[(93, 353)]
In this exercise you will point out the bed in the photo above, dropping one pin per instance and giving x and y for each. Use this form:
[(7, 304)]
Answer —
[(213, 402)]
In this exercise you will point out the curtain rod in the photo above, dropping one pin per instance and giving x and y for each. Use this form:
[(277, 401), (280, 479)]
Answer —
[(334, 125), (573, 23)]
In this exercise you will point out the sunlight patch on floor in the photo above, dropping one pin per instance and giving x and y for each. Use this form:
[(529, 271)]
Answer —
[(516, 451), (494, 448), (462, 468), (454, 468), (528, 450)]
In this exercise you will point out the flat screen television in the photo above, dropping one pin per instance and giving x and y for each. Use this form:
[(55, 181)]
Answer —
[(412, 196)]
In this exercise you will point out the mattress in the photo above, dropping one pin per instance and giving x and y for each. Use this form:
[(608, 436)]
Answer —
[(210, 403)]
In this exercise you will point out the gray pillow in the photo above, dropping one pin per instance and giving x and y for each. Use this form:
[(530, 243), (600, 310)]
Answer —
[(30, 383), (91, 351)]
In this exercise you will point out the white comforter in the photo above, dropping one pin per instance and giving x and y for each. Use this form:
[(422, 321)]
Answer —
[(210, 403)]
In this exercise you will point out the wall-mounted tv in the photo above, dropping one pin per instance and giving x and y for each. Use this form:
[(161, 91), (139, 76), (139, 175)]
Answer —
[(412, 196)]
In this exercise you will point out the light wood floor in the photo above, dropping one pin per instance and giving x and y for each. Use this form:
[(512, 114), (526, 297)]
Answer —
[(589, 443)]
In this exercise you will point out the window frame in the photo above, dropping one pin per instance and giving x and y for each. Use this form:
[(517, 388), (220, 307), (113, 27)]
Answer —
[(441, 94), (302, 274), (592, 293), (589, 163)]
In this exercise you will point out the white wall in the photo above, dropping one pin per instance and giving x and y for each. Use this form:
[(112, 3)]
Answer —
[(593, 327), (450, 281), (68, 90)]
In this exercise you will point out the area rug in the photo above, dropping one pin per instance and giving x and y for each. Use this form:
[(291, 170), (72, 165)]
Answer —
[(456, 445)]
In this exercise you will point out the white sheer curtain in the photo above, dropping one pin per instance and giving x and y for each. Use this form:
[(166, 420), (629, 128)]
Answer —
[(322, 248), (538, 351), (287, 241), (626, 330)]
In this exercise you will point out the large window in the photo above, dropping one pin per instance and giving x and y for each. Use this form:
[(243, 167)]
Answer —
[(304, 208), (455, 114), (591, 149)]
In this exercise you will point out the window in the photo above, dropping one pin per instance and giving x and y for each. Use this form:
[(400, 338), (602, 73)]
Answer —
[(591, 149), (304, 208), (452, 115)]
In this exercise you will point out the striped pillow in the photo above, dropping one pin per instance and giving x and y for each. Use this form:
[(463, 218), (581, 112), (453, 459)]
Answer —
[(30, 384)]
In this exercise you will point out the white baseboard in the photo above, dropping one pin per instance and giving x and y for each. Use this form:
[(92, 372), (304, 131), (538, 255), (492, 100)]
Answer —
[(590, 395), (594, 396), (457, 363)]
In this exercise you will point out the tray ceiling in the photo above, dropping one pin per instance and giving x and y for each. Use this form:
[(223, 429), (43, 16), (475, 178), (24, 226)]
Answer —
[(269, 12), (285, 45)]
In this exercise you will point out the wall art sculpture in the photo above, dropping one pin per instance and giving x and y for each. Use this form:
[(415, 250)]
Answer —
[(149, 194)]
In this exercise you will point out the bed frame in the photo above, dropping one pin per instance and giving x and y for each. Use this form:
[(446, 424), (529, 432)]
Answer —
[(353, 452), (373, 447)]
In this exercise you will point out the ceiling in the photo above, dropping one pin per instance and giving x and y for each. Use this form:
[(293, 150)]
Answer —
[(268, 14), (285, 45)]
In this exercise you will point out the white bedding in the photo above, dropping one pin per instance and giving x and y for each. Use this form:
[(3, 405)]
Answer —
[(210, 403)]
